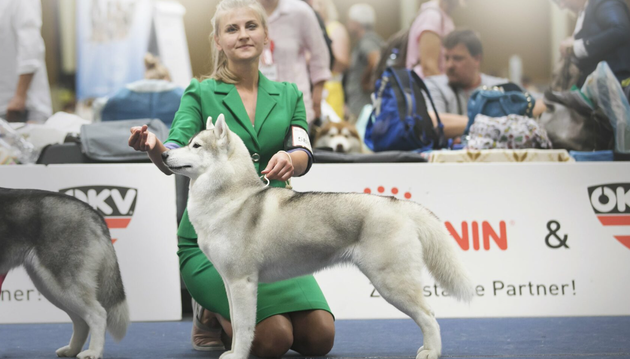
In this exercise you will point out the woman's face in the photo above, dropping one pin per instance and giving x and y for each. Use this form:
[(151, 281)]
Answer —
[(241, 35)]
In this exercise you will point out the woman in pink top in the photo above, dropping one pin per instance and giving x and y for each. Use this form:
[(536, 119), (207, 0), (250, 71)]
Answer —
[(298, 52), (425, 53)]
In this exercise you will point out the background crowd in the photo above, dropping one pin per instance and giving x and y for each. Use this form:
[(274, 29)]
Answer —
[(336, 59)]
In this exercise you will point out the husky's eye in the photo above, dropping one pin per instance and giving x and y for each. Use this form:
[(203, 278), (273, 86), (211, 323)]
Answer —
[(196, 145)]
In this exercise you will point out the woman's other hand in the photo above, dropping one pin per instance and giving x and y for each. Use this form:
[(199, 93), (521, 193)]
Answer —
[(280, 167)]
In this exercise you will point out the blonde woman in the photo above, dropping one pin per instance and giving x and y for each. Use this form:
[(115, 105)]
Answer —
[(292, 314)]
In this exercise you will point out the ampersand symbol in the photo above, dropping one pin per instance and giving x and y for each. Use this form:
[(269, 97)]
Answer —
[(554, 227)]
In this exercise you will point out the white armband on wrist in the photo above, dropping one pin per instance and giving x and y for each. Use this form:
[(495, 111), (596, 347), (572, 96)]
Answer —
[(297, 137)]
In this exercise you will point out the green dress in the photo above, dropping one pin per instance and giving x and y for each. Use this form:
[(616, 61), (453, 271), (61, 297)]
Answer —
[(279, 106)]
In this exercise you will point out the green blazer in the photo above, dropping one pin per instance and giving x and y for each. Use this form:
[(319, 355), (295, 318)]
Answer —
[(279, 106)]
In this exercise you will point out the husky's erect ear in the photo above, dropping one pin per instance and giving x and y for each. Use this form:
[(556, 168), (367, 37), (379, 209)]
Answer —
[(220, 128), (209, 124)]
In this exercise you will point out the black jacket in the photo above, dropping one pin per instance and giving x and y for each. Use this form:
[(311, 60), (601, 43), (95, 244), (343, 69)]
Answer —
[(606, 35)]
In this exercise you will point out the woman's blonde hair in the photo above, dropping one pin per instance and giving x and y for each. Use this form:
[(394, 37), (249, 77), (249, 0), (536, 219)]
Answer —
[(220, 71)]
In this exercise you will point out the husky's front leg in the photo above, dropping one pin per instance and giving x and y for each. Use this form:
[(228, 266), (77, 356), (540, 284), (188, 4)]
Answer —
[(242, 298)]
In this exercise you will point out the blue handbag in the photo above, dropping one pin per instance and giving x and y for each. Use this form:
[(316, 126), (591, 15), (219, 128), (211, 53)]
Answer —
[(499, 101)]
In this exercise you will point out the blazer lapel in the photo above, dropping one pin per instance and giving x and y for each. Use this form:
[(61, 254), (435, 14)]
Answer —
[(233, 102), (267, 93)]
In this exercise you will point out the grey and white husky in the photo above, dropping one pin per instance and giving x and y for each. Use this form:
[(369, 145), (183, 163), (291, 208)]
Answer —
[(254, 233), (66, 249)]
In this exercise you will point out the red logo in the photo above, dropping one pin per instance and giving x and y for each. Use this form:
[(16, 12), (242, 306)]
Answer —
[(611, 203), (115, 204), (381, 191), (474, 232)]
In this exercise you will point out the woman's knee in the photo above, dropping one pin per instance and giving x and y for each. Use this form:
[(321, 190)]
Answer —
[(272, 344), (273, 338), (316, 344), (316, 334)]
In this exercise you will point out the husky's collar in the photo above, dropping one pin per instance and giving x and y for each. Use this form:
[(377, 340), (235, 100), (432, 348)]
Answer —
[(264, 178)]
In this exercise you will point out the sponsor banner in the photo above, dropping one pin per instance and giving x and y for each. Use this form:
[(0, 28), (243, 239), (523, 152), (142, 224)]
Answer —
[(138, 204), (538, 239)]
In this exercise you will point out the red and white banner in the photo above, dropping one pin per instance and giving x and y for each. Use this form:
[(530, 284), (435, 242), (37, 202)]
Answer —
[(538, 239), (138, 203)]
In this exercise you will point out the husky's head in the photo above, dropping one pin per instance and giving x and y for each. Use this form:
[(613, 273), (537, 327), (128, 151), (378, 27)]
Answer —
[(340, 137), (207, 151)]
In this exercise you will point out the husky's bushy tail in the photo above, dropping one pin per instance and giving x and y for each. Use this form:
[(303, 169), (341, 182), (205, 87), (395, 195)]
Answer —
[(118, 320), (111, 295), (440, 256)]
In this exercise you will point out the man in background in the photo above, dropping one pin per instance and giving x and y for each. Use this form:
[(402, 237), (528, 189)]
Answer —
[(24, 90), (451, 91)]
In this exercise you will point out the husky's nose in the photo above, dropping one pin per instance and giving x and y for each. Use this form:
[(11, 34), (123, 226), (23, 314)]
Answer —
[(164, 155)]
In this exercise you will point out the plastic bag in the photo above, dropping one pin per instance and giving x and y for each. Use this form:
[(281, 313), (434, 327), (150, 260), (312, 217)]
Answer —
[(603, 88), (573, 124), (19, 148)]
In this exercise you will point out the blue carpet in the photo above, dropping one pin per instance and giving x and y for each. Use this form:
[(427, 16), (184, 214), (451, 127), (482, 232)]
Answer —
[(515, 338)]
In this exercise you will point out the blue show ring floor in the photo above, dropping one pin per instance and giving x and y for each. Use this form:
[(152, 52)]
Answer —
[(515, 338)]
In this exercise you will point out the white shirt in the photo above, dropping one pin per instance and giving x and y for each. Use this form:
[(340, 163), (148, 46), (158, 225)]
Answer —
[(23, 53)]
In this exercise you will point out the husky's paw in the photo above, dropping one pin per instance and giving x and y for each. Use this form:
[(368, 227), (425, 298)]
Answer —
[(90, 354), (66, 352), (427, 354)]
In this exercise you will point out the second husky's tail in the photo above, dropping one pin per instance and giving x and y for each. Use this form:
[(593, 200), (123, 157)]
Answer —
[(118, 320), (111, 294), (440, 256)]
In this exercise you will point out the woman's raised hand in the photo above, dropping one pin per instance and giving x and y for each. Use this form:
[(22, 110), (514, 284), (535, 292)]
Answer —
[(141, 139)]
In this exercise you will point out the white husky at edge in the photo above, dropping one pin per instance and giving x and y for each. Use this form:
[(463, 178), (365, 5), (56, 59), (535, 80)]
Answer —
[(254, 233)]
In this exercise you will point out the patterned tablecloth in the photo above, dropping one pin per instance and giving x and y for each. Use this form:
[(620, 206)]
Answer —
[(500, 155)]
